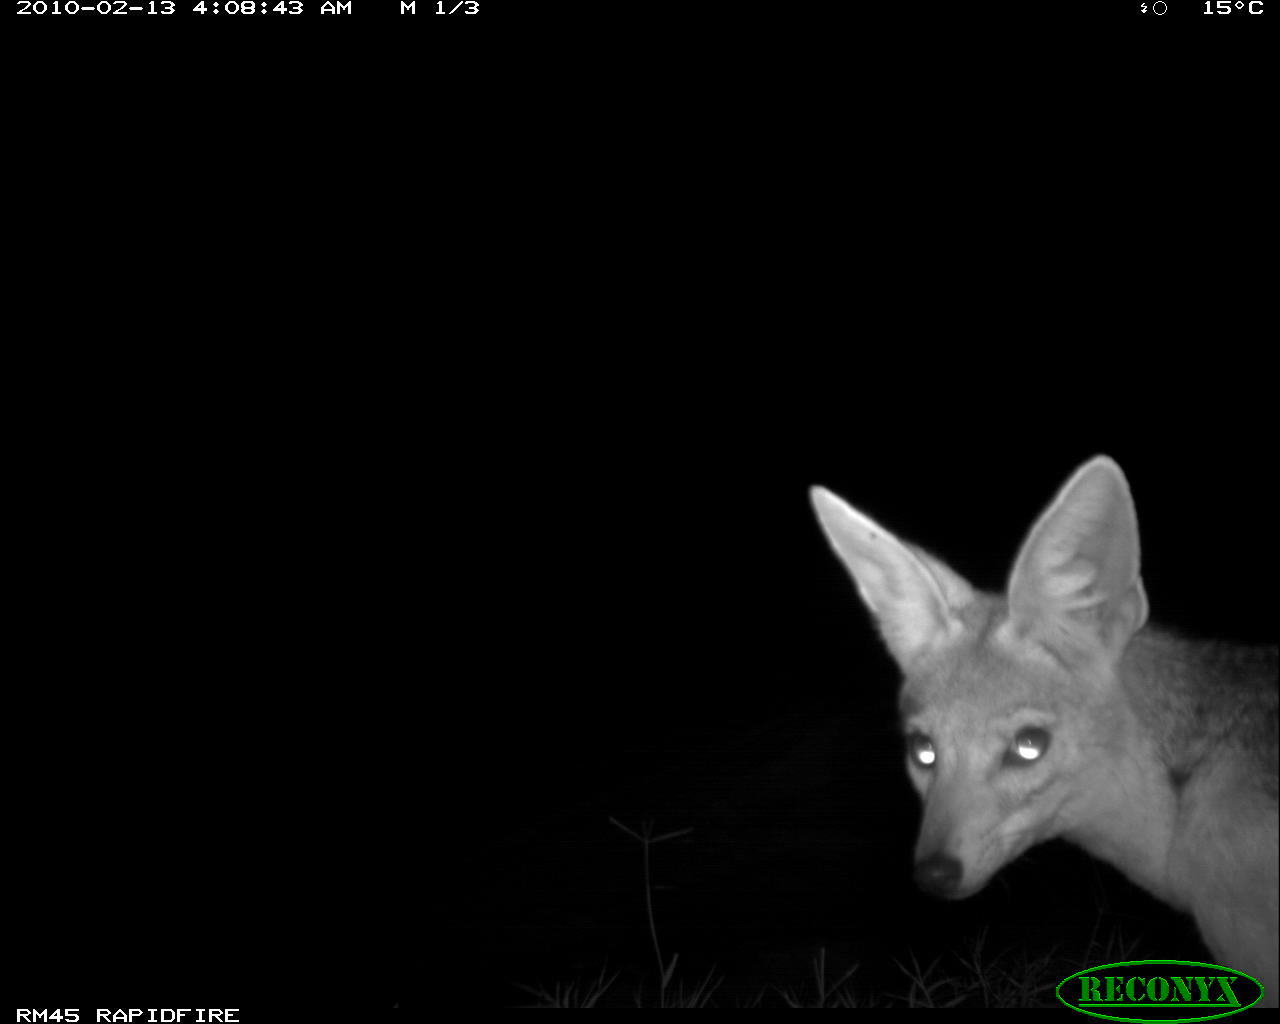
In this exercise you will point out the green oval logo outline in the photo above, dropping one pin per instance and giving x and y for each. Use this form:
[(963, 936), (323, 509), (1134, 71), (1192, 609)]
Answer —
[(1163, 1020)]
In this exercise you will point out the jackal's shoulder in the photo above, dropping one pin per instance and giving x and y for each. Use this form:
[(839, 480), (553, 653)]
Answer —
[(1190, 669), (1205, 701)]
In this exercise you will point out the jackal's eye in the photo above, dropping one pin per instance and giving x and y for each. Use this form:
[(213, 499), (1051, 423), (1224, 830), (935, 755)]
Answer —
[(1028, 746), (920, 750)]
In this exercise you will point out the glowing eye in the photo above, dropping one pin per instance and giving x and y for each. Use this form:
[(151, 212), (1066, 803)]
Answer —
[(920, 750), (1029, 745)]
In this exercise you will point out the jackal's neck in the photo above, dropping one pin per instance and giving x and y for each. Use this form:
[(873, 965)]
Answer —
[(1127, 802), (1151, 745), (1126, 814)]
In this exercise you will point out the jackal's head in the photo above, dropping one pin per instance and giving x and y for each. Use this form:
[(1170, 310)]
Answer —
[(1004, 699)]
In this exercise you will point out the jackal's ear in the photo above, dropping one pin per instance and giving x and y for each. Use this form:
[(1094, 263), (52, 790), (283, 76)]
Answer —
[(1077, 576), (912, 595)]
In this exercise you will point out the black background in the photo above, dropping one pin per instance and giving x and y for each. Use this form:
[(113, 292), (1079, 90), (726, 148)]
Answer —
[(335, 696)]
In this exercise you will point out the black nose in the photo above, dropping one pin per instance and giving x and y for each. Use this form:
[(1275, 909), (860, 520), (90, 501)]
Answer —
[(939, 875)]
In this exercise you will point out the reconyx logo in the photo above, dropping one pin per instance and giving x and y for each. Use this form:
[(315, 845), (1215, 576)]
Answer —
[(1163, 990)]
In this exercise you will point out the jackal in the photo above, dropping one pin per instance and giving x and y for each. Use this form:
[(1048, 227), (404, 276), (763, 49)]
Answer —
[(1055, 710)]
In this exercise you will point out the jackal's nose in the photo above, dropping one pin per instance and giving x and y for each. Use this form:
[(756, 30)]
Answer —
[(939, 875)]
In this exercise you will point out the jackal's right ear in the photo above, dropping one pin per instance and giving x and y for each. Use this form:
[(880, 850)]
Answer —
[(1077, 577), (912, 595)]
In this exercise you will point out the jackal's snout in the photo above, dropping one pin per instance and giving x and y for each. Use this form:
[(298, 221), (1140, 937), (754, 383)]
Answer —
[(939, 875)]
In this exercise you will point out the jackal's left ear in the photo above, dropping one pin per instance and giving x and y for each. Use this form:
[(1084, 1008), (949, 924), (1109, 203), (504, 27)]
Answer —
[(1077, 576)]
